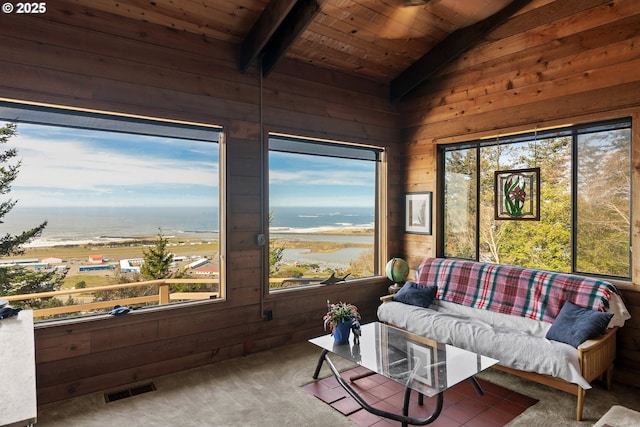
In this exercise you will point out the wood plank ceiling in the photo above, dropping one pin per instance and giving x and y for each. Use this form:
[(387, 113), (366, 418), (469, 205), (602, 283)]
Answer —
[(395, 42)]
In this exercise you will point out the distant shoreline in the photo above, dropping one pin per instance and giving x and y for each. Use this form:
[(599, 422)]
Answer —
[(326, 249), (122, 247), (365, 231), (124, 240)]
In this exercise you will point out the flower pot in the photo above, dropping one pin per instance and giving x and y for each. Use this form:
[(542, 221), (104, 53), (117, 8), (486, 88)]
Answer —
[(342, 331)]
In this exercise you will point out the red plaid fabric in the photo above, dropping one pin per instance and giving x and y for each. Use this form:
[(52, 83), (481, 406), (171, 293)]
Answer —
[(526, 292)]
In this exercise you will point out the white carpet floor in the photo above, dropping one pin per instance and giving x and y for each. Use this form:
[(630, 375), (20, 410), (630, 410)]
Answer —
[(263, 389)]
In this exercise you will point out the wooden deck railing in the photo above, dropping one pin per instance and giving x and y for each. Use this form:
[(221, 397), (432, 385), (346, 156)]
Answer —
[(163, 296)]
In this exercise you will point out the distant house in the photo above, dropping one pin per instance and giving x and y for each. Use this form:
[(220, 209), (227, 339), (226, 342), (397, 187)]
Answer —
[(100, 267), (96, 259), (29, 261), (198, 263), (207, 271), (126, 266)]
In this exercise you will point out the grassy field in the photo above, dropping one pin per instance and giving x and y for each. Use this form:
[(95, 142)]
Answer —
[(88, 279), (135, 249), (75, 255), (132, 249), (318, 247)]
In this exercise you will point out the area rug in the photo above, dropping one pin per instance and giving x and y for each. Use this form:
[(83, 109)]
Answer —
[(619, 416), (462, 406)]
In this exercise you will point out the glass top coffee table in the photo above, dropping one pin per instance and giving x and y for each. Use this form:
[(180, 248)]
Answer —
[(418, 363)]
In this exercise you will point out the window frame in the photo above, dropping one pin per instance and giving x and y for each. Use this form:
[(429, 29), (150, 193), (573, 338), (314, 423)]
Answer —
[(335, 148), (15, 111), (572, 131)]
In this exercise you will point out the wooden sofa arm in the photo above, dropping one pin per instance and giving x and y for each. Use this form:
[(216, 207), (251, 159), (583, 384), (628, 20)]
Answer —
[(596, 359), (596, 356), (590, 345)]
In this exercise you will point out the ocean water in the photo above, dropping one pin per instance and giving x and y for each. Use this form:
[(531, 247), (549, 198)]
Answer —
[(77, 225), (315, 219), (105, 224), (306, 223)]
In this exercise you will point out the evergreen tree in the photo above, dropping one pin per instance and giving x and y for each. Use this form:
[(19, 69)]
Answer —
[(157, 260), (276, 252), (19, 280), (545, 243), (460, 203)]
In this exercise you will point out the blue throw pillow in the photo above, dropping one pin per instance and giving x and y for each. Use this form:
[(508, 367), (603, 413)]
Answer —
[(415, 294), (574, 325)]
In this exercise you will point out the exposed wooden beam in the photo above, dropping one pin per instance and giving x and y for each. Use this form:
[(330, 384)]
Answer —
[(271, 18), (292, 26), (450, 48)]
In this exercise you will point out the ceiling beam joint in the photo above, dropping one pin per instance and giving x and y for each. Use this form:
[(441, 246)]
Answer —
[(293, 25), (271, 18), (449, 49)]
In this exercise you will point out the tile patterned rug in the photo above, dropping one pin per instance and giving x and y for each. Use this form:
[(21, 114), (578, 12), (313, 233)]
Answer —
[(462, 406)]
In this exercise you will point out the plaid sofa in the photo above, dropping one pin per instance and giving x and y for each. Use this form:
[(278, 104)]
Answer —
[(505, 312), (525, 292)]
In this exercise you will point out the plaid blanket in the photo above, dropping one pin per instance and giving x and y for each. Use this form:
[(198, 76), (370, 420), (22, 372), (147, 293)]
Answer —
[(525, 292)]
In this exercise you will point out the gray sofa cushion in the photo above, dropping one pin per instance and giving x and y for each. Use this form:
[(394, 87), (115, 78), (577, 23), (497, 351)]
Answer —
[(516, 342), (414, 294), (574, 325)]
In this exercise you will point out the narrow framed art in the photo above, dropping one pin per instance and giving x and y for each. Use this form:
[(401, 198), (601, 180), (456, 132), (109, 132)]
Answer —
[(422, 364), (418, 212)]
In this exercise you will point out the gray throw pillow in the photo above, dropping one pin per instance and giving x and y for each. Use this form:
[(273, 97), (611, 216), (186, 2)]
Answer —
[(574, 325), (415, 294)]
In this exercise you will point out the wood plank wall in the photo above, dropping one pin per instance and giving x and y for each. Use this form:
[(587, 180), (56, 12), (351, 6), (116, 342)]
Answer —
[(60, 58), (568, 61)]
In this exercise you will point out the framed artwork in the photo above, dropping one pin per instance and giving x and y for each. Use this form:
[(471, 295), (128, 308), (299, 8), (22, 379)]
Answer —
[(418, 213), (422, 364), (517, 194)]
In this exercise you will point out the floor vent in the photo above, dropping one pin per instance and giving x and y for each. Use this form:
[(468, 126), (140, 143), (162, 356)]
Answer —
[(133, 391)]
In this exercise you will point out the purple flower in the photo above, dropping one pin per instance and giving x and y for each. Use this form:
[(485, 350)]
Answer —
[(518, 193)]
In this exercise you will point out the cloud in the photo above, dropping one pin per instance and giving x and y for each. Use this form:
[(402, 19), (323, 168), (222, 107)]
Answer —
[(72, 167), (323, 178)]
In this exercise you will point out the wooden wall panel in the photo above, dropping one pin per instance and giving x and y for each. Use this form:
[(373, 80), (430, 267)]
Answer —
[(628, 359), (574, 60), (565, 62), (143, 69), (57, 347)]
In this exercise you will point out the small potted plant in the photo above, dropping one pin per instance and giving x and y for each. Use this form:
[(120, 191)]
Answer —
[(339, 319)]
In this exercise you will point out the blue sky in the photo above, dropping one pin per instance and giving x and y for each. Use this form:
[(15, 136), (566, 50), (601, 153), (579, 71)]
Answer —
[(67, 167), (75, 167), (306, 180)]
